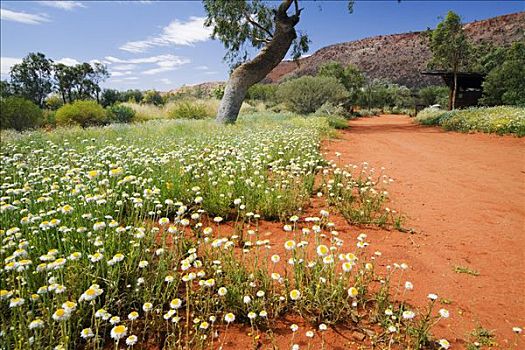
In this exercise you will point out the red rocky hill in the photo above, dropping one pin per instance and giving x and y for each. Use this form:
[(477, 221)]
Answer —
[(399, 57)]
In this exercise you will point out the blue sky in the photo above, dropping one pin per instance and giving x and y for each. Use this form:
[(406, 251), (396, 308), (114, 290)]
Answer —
[(163, 45)]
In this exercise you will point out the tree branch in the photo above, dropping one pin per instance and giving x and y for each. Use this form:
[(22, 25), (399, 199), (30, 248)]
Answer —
[(266, 41), (285, 5), (256, 24), (297, 9)]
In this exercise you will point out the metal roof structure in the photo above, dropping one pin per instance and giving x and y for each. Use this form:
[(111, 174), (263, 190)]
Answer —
[(470, 86)]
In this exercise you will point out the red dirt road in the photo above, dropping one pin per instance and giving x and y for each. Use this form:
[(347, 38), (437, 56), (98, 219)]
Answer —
[(464, 194)]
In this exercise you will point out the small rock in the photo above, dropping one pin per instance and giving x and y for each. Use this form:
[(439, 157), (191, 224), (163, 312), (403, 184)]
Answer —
[(358, 336)]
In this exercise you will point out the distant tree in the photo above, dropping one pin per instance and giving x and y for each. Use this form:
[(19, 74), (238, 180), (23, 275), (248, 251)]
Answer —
[(256, 23), (399, 96), (111, 96), (32, 78), (350, 76), (373, 94), (485, 56), (152, 97), (96, 75), (6, 89), (81, 81), (431, 95), (505, 83), (450, 49), (306, 94), (132, 96), (87, 80), (65, 77), (332, 69)]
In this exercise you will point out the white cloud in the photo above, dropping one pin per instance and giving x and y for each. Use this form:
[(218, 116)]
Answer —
[(124, 67), (165, 81), (137, 46), (175, 33), (163, 63), (120, 74), (7, 63), (68, 61), (63, 5), (186, 33), (202, 68), (22, 17), (158, 70), (160, 59), (130, 78)]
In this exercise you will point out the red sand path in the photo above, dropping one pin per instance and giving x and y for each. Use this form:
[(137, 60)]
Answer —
[(464, 194)]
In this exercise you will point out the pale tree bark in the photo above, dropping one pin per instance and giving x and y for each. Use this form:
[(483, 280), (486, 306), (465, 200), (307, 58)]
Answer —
[(251, 72), (455, 92)]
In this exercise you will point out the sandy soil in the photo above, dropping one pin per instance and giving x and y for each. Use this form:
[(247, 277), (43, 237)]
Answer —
[(464, 194)]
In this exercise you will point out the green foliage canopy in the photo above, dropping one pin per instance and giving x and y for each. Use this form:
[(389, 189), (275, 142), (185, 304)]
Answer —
[(241, 24), (449, 45), (350, 76), (33, 78), (83, 113), (19, 113), (306, 94), (505, 83), (153, 97)]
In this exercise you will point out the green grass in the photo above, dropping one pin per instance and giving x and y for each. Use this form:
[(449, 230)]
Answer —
[(498, 120), (481, 337)]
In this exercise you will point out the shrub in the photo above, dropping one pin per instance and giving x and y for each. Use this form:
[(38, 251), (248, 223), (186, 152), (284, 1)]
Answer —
[(83, 113), (336, 121), (153, 97), (252, 107), (189, 110), (499, 120), (432, 116), (19, 114), (54, 102), (121, 113), (329, 108), (278, 108), (397, 110), (505, 84), (432, 95), (49, 118), (368, 112), (262, 92), (306, 94), (218, 92)]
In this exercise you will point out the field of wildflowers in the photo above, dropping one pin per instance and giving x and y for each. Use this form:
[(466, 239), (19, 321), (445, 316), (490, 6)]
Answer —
[(498, 120), (140, 236)]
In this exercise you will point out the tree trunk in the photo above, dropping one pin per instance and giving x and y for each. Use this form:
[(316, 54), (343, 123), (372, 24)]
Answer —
[(455, 91), (251, 72)]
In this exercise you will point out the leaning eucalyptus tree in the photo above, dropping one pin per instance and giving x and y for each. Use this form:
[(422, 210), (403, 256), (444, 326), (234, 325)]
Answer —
[(239, 24)]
